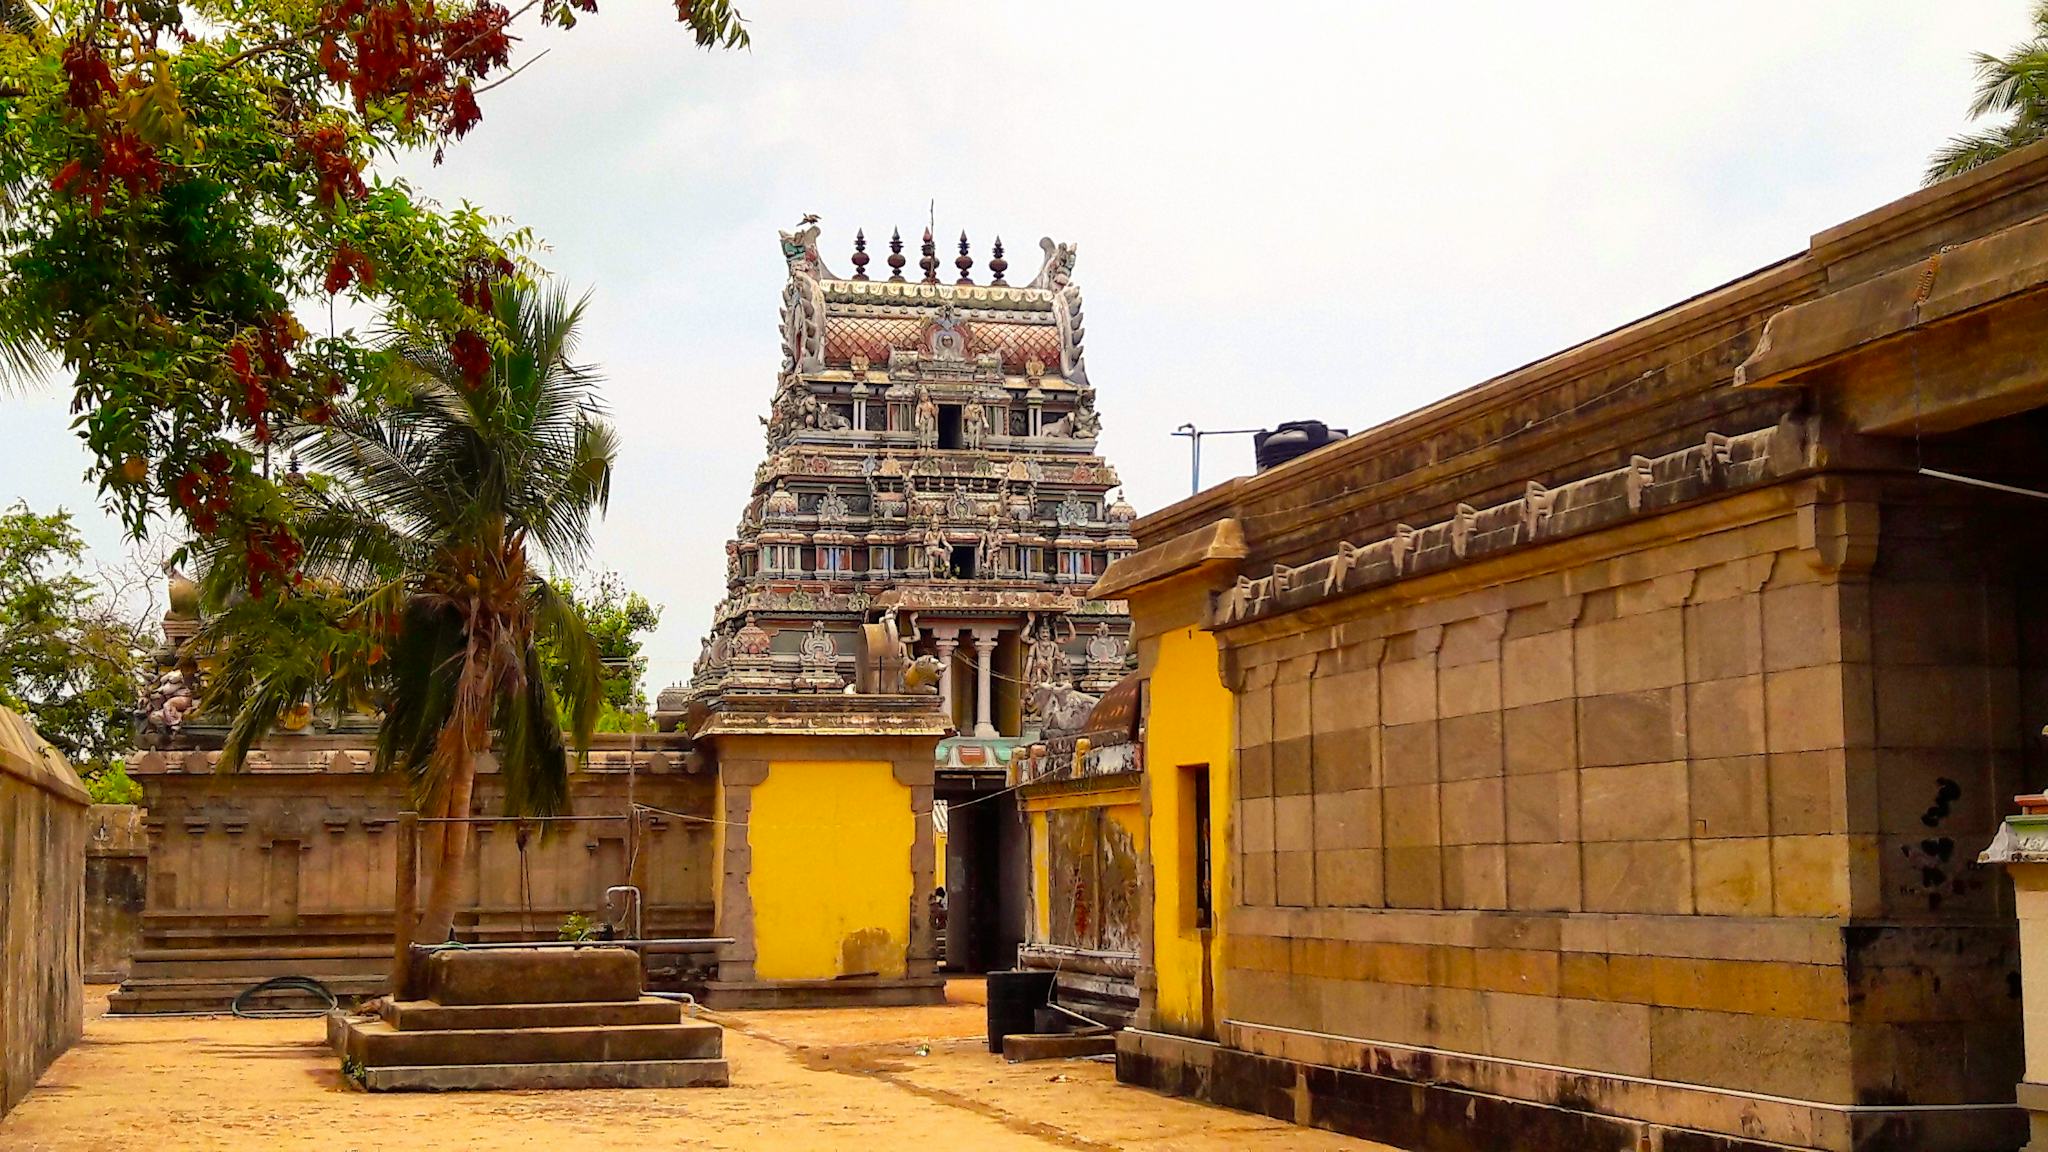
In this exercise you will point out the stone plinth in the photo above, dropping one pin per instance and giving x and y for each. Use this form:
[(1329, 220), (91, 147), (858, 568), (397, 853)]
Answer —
[(529, 1019)]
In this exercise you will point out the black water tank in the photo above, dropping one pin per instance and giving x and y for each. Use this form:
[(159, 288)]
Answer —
[(1294, 438), (1013, 998)]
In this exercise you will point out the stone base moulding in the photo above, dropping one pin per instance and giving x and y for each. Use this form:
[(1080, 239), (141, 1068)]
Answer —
[(1428, 1098), (730, 995)]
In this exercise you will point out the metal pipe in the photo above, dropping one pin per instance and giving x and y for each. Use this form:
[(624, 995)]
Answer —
[(662, 944), (1973, 482), (1194, 436), (515, 819)]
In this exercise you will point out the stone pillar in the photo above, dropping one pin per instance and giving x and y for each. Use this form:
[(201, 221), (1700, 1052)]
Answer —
[(945, 645), (2022, 847), (984, 660)]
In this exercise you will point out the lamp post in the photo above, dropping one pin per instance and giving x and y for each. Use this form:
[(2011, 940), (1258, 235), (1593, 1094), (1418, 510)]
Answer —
[(1194, 436)]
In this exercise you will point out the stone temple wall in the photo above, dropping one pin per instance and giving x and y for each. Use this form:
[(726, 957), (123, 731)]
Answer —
[(289, 865), (116, 884), (1707, 807), (42, 886), (278, 849), (1615, 739)]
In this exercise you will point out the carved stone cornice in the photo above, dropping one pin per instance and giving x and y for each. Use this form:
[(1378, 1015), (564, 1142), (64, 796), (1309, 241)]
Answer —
[(1644, 487)]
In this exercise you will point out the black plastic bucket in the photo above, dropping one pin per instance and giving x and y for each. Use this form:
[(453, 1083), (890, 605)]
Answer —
[(1013, 998)]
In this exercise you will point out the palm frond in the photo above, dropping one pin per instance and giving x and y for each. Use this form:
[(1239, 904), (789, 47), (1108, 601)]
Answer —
[(534, 767), (558, 623)]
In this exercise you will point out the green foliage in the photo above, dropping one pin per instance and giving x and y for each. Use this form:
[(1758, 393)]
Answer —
[(69, 662), (180, 181), (576, 927), (417, 516), (616, 618), (112, 785), (2013, 86)]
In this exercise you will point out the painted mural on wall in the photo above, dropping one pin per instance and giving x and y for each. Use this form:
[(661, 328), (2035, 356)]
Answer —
[(1094, 880)]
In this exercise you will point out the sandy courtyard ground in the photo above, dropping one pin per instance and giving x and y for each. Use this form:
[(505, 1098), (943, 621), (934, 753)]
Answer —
[(844, 1078)]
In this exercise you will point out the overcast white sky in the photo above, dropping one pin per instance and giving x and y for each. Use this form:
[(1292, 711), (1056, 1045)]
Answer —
[(1338, 211)]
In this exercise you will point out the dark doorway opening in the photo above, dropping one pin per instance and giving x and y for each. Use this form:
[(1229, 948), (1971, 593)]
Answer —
[(987, 874), (949, 426), (963, 561)]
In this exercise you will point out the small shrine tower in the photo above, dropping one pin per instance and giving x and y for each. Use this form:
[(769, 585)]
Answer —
[(931, 450), (931, 469)]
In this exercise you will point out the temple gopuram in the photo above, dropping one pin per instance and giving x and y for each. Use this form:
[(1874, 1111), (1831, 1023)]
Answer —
[(931, 460)]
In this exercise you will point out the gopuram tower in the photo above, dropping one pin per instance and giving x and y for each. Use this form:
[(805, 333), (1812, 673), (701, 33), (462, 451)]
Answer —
[(931, 451), (931, 475)]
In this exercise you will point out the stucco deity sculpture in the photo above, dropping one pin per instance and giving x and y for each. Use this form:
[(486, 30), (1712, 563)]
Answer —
[(925, 420), (938, 554), (973, 424)]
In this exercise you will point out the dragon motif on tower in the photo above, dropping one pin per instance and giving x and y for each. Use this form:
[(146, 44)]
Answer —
[(1057, 277)]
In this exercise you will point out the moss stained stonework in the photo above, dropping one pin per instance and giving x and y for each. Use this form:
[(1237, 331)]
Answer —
[(42, 898)]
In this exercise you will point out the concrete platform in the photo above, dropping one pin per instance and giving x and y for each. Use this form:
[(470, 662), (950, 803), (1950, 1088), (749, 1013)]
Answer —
[(514, 1077), (865, 992)]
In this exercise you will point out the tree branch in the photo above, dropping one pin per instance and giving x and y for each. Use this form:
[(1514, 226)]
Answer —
[(513, 73)]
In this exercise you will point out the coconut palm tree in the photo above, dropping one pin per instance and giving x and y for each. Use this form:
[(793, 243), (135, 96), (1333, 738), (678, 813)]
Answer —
[(421, 523), (2014, 86)]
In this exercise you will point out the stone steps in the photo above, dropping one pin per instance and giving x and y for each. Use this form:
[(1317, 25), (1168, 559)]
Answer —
[(314, 951), (142, 997), (428, 1016), (376, 1044), (523, 1077), (524, 1019), (255, 968)]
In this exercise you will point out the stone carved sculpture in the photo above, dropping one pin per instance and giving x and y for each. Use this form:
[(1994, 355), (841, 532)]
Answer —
[(1063, 708), (884, 664), (1105, 649), (1056, 276), (167, 703), (973, 424), (803, 302), (925, 420), (820, 656), (938, 554), (921, 677)]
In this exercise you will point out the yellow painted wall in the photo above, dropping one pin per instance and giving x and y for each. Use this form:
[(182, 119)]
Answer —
[(831, 880), (1041, 878), (1192, 721)]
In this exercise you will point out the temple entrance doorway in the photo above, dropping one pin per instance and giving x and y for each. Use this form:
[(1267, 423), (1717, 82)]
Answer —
[(987, 872), (950, 435)]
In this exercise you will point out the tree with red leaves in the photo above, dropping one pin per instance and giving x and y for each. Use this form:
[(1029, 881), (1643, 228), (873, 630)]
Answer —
[(177, 178)]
